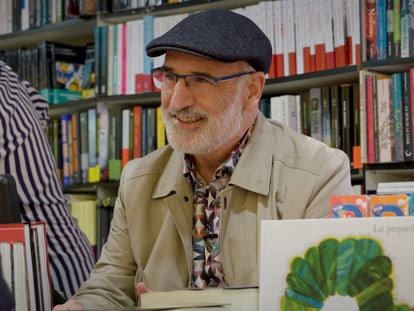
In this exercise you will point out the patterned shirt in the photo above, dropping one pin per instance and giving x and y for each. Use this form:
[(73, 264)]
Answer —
[(26, 154), (207, 265)]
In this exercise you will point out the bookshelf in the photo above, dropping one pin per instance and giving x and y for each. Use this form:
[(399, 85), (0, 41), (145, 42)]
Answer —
[(80, 31)]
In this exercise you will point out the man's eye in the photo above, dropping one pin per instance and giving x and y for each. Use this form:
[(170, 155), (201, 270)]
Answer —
[(169, 77), (201, 80)]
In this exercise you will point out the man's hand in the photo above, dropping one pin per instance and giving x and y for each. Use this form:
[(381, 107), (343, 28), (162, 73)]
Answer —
[(69, 305), (142, 288)]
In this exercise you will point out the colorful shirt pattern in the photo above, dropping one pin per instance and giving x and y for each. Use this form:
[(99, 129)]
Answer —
[(207, 265)]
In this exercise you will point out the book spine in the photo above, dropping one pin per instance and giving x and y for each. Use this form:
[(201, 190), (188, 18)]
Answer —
[(64, 119), (137, 131), (407, 117), (315, 113), (396, 21), (371, 29), (125, 136), (381, 29), (84, 150), (397, 98), (326, 116), (370, 137), (405, 20)]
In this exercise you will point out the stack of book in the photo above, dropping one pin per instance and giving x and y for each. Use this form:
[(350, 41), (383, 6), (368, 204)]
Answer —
[(25, 265)]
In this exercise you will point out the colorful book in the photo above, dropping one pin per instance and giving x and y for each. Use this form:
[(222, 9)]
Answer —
[(389, 205), (329, 264), (349, 206)]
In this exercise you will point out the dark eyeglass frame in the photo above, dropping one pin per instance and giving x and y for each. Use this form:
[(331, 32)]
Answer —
[(212, 80)]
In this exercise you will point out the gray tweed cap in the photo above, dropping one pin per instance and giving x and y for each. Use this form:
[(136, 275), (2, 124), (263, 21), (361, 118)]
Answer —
[(220, 35)]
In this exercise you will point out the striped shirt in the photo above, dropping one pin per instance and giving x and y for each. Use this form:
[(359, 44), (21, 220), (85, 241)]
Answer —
[(26, 154)]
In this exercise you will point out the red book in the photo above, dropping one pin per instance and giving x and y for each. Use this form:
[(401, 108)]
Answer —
[(371, 29)]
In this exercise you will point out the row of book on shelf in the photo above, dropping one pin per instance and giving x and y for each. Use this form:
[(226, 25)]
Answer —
[(94, 145), (20, 15), (123, 67), (61, 72), (388, 29), (329, 114), (116, 62), (388, 106)]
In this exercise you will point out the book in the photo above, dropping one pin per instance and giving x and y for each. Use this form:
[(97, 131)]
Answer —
[(349, 206), (24, 262), (388, 205), (370, 29), (407, 117), (228, 298), (337, 264), (397, 113)]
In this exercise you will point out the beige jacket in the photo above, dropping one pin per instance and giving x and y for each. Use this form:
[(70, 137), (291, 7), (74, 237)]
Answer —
[(280, 175)]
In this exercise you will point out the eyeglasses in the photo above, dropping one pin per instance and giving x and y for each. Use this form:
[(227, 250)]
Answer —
[(165, 80)]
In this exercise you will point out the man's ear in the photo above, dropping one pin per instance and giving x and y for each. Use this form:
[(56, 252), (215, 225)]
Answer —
[(254, 89)]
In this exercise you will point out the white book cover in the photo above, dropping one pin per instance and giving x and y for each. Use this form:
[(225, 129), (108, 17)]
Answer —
[(337, 264)]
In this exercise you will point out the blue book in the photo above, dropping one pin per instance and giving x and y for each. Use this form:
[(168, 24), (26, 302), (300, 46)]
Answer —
[(381, 29), (148, 36)]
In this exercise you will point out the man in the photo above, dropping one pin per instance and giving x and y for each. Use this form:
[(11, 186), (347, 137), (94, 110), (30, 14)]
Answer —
[(26, 155), (188, 215)]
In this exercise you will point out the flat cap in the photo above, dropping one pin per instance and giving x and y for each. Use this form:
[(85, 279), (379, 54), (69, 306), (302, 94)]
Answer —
[(220, 35)]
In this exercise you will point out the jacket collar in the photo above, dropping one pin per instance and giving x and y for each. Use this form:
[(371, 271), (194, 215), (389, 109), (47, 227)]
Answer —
[(257, 157)]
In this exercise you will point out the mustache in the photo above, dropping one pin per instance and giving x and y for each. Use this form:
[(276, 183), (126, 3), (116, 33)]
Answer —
[(187, 113)]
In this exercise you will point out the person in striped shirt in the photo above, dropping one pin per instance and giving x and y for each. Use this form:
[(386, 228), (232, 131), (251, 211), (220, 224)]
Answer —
[(25, 153)]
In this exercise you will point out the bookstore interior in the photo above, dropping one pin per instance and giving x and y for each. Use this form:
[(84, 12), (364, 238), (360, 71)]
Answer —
[(342, 72)]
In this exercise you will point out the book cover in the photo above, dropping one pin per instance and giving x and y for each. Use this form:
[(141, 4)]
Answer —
[(337, 264), (349, 206), (389, 205)]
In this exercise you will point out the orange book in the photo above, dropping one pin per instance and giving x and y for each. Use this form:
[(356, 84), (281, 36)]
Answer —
[(320, 57), (306, 60), (292, 64), (389, 205), (280, 68), (349, 206)]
